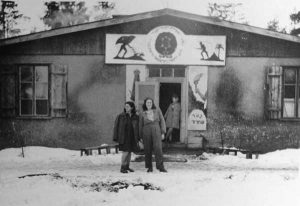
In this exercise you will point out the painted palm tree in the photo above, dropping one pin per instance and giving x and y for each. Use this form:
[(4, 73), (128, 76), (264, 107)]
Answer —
[(219, 47)]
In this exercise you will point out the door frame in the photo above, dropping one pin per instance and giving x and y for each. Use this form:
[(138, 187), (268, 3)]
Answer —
[(183, 98)]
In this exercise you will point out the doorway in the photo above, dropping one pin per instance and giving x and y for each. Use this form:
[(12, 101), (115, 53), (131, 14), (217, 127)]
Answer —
[(166, 91), (160, 84)]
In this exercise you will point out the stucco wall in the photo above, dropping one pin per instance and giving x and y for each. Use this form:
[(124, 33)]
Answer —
[(251, 74), (96, 93), (248, 128)]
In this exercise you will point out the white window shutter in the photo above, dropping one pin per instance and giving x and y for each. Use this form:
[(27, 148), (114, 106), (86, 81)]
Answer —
[(8, 93), (59, 90), (274, 92)]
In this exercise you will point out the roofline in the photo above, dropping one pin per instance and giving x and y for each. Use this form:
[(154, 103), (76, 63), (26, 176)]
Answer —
[(233, 25), (148, 15)]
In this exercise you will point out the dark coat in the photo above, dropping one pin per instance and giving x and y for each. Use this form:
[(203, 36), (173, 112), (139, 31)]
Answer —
[(120, 132)]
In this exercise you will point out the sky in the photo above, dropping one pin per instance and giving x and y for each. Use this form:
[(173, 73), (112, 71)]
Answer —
[(257, 12)]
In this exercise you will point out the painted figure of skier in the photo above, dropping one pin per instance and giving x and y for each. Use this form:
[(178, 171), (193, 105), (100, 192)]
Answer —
[(203, 50)]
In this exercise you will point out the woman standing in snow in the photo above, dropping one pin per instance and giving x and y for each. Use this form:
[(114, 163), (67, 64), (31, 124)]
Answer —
[(152, 128), (126, 133)]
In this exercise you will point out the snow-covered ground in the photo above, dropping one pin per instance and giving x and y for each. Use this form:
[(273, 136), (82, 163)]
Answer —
[(69, 179)]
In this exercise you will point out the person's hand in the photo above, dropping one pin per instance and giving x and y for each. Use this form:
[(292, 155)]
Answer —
[(163, 136)]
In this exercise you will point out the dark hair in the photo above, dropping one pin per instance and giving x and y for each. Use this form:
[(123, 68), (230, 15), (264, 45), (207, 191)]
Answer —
[(132, 105), (144, 105), (175, 96)]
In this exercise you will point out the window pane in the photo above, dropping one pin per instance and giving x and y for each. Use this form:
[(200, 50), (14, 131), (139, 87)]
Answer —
[(154, 72), (26, 107), (290, 76), (41, 74), (288, 108), (26, 74), (166, 72), (26, 91), (41, 90), (289, 91), (41, 107), (179, 72)]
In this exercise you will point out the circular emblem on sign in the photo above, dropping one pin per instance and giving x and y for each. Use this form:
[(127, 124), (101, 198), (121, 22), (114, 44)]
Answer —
[(165, 43)]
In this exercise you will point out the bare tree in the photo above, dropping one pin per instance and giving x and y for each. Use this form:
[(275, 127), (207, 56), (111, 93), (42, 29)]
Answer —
[(65, 13), (228, 12), (103, 10), (273, 25)]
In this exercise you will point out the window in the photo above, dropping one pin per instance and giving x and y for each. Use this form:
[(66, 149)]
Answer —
[(33, 90), (166, 71), (291, 92), (26, 91)]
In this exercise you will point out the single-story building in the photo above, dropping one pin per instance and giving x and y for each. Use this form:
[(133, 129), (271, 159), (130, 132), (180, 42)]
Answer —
[(238, 85)]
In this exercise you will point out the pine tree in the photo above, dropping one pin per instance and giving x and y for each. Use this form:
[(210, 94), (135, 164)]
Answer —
[(9, 16)]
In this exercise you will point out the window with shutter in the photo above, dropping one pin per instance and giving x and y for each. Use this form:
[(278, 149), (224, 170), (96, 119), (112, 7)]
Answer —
[(283, 92), (8, 90), (33, 91)]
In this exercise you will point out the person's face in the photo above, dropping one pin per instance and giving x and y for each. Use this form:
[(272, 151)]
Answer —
[(149, 104), (128, 108), (174, 99)]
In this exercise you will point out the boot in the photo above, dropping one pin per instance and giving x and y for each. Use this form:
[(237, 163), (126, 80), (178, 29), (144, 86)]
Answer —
[(163, 170), (123, 170), (150, 170), (129, 169)]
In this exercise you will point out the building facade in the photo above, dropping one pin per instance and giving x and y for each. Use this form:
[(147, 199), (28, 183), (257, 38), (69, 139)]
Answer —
[(238, 85)]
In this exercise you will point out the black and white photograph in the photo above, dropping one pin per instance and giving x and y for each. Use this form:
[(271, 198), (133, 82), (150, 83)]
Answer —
[(150, 102)]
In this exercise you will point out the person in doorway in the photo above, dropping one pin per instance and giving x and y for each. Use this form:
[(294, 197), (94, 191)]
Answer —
[(126, 133), (172, 117), (152, 128)]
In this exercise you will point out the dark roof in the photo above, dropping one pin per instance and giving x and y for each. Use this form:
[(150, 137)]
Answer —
[(147, 15)]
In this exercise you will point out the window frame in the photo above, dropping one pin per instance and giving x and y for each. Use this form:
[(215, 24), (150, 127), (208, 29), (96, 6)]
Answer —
[(33, 115), (297, 96), (162, 67)]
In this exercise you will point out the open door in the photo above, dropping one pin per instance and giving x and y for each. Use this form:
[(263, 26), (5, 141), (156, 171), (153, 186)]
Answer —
[(144, 90)]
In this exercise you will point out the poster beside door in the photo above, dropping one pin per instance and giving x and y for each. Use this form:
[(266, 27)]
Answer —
[(197, 97)]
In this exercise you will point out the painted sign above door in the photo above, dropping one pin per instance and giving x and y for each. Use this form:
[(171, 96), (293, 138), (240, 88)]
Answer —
[(165, 45)]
